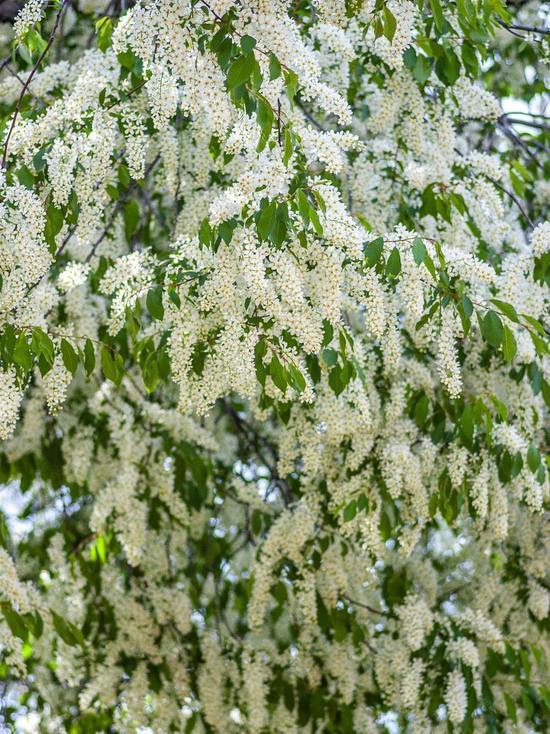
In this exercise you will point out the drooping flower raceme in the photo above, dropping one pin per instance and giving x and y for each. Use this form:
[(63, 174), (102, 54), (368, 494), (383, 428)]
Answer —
[(274, 367)]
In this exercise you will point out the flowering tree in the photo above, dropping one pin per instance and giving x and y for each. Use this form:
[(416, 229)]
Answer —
[(273, 366)]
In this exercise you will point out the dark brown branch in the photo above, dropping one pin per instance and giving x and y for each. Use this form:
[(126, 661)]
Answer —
[(527, 28), (528, 123), (365, 606), (514, 199), (512, 135)]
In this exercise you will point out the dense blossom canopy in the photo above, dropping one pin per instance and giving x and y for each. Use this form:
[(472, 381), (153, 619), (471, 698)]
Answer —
[(274, 366)]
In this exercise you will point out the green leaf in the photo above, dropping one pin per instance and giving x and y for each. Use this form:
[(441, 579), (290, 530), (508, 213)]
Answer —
[(274, 66), (264, 116), (492, 329), (104, 28), (447, 67), (42, 345), (247, 44), (131, 218), (69, 356), (89, 357), (393, 265), (15, 622), (291, 83), (153, 302), (150, 372), (533, 458), (314, 217), (101, 548), (350, 511), (409, 57), (240, 70), (288, 146), (419, 251), (303, 206), (507, 309), (297, 379), (266, 220), (422, 69), (437, 13), (511, 712), (467, 305), (537, 326), (421, 410), (25, 177), (68, 632), (22, 354), (109, 366), (279, 229), (390, 24), (373, 250), (54, 223), (277, 373), (501, 407), (509, 346)]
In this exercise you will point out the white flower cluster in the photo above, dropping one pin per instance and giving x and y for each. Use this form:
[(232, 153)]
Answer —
[(455, 697), (312, 450), (27, 17), (10, 402), (24, 255)]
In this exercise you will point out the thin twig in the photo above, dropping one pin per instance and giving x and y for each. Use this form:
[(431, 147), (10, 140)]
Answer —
[(527, 28), (366, 606), (528, 123), (514, 199)]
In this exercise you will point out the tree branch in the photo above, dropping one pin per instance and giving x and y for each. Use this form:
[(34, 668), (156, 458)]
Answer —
[(30, 78)]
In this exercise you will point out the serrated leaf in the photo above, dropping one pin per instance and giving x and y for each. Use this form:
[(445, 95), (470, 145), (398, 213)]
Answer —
[(247, 44), (393, 264), (492, 329), (509, 345), (507, 309), (291, 83), (109, 366), (89, 357), (373, 250), (274, 66), (22, 354), (104, 28), (350, 511), (298, 380), (266, 219), (264, 116), (390, 24), (153, 301), (240, 70), (69, 356), (501, 408), (277, 373), (533, 457), (288, 147), (467, 305), (419, 251), (437, 14), (68, 632), (422, 69), (409, 57)]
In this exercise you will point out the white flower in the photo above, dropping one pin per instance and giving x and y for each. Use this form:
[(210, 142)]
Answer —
[(10, 402), (73, 275)]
